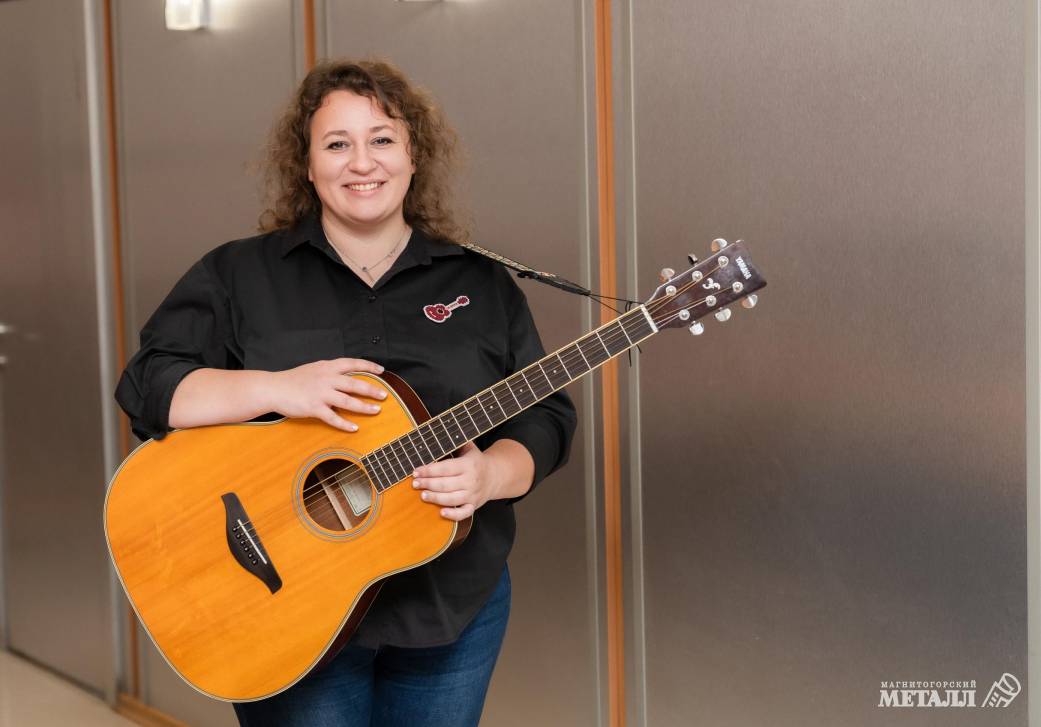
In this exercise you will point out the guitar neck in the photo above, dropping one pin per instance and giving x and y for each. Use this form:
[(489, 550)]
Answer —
[(487, 409)]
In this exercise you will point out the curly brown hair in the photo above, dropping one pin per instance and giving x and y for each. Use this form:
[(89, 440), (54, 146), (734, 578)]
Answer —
[(432, 145)]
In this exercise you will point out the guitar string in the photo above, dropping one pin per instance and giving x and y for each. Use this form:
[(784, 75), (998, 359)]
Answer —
[(318, 491), (318, 495), (316, 498)]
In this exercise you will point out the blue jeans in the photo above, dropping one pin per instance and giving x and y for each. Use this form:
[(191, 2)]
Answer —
[(438, 686)]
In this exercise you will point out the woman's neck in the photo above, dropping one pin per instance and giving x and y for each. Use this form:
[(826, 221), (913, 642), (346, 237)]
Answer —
[(364, 244)]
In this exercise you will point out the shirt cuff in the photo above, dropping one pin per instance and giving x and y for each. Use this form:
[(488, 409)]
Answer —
[(156, 423), (542, 444)]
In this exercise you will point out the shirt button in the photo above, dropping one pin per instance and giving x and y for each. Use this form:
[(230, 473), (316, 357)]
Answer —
[(372, 298), (375, 339)]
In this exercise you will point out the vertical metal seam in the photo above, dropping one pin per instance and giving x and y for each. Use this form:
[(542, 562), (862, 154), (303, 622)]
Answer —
[(637, 644), (106, 309), (609, 376), (590, 449), (117, 288), (1032, 229)]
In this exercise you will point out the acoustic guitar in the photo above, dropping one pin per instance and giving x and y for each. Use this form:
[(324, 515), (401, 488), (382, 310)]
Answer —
[(251, 552)]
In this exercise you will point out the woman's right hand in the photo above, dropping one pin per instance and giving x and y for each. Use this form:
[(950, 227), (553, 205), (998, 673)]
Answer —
[(315, 389)]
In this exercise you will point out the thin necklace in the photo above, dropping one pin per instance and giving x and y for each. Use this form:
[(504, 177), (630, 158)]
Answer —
[(365, 268)]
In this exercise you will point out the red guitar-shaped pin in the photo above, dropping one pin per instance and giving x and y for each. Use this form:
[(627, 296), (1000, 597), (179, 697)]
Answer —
[(439, 312)]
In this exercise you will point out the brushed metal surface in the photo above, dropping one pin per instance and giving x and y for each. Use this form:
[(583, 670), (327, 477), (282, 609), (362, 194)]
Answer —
[(55, 564), (194, 111), (834, 483), (513, 79)]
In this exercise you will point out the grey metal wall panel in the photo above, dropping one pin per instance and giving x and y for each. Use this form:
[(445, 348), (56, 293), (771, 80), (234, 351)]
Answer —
[(835, 482), (512, 79), (54, 557), (194, 111)]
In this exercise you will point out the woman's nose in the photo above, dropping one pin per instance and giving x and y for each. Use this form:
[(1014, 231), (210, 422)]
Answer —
[(360, 160)]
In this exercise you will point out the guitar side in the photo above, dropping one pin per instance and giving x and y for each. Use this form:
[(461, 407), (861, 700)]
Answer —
[(238, 629)]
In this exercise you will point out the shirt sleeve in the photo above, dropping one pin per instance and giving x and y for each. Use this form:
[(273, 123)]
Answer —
[(190, 330), (546, 428)]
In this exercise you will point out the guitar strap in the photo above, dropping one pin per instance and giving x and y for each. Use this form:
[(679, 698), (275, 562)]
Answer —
[(524, 271), (519, 267)]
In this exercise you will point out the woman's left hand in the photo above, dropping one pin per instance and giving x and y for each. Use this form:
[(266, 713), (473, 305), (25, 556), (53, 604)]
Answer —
[(459, 484)]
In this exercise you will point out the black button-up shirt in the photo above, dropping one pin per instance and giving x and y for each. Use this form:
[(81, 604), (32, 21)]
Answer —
[(282, 299)]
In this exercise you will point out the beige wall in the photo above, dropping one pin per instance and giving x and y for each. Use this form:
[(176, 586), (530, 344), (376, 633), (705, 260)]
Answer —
[(824, 493)]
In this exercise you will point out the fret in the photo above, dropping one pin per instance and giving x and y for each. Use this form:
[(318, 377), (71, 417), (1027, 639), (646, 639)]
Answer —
[(578, 346), (370, 468), (542, 371), (427, 429), (514, 395), (451, 448), (421, 451), (404, 470), (477, 429), (491, 424), (461, 423), (622, 329), (594, 354), (499, 398), (412, 466), (570, 378), (480, 410), (523, 386), (387, 464), (495, 407), (457, 439)]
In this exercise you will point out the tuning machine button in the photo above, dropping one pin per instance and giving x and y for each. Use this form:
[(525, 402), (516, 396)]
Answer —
[(750, 301), (718, 244), (666, 274), (684, 315), (696, 328), (723, 315)]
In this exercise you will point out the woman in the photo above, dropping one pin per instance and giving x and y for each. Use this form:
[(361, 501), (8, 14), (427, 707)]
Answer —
[(360, 247)]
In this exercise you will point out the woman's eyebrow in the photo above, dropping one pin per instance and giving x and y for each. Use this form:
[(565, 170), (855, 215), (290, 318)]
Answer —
[(343, 132)]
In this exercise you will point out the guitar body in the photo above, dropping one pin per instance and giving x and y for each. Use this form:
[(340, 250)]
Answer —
[(245, 624)]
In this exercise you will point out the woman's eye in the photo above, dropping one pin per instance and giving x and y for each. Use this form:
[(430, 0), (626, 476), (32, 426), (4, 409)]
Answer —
[(382, 141), (337, 145)]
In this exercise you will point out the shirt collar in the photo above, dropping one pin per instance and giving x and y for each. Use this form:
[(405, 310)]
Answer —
[(421, 248)]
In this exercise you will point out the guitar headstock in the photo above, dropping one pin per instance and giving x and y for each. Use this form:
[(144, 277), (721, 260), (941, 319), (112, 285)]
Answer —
[(711, 285)]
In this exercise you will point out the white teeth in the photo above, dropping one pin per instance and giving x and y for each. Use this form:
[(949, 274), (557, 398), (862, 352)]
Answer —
[(363, 187)]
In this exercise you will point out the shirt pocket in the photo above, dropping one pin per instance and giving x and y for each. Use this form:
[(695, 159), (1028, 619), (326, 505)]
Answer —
[(281, 350)]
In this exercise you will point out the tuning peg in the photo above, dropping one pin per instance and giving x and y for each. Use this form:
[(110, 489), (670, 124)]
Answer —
[(723, 315), (750, 301), (666, 274), (718, 244), (696, 328), (692, 258)]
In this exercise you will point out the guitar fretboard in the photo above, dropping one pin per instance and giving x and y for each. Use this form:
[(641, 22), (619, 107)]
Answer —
[(486, 410)]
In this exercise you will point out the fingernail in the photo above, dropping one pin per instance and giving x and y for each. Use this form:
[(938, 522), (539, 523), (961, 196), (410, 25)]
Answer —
[(352, 427), (444, 513), (383, 395), (381, 369), (415, 484), (423, 495), (374, 407)]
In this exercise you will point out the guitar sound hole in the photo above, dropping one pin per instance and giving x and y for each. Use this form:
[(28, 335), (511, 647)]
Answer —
[(338, 495)]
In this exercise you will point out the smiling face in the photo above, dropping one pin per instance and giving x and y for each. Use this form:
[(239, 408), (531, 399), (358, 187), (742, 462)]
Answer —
[(359, 163)]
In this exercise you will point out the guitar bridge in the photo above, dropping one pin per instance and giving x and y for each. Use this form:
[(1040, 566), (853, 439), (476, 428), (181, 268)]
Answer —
[(244, 543)]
